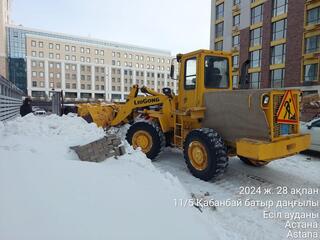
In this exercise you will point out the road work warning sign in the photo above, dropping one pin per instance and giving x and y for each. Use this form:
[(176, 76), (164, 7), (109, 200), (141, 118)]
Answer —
[(287, 112)]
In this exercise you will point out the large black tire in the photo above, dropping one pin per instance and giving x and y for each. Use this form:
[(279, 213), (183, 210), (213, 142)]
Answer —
[(252, 162), (157, 136), (217, 158)]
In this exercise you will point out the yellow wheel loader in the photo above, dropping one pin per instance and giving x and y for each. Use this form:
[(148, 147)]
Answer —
[(208, 120)]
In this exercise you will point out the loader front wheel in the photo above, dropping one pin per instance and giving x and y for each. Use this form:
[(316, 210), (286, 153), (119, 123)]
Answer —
[(252, 162), (205, 154), (148, 136)]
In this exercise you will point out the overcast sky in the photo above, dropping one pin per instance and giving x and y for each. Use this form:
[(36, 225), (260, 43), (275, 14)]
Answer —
[(175, 25)]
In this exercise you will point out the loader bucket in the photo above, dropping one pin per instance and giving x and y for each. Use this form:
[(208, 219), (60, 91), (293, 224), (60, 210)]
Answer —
[(101, 114)]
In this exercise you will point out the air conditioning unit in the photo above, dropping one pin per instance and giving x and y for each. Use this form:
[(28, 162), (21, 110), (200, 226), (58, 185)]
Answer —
[(235, 49), (236, 8)]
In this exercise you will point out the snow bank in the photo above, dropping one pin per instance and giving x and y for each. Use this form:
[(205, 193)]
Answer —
[(45, 196)]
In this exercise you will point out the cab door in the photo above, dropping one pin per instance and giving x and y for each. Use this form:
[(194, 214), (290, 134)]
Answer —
[(188, 85)]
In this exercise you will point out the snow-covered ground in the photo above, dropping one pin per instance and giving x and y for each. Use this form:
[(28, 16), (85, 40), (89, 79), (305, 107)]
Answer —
[(47, 193), (297, 172)]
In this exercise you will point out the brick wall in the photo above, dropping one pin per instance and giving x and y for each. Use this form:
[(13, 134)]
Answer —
[(294, 43), (266, 39)]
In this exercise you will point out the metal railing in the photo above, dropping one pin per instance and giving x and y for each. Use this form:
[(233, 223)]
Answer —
[(10, 100)]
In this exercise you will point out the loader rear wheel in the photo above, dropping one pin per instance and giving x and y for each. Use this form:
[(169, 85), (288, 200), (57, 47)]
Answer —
[(253, 163), (205, 154), (148, 136)]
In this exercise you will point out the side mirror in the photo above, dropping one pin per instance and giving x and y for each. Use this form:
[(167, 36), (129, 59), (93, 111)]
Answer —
[(172, 71), (309, 126)]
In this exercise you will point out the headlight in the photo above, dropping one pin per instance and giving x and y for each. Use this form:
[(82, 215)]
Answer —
[(265, 100)]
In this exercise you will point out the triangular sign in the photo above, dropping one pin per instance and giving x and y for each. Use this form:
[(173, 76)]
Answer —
[(287, 112)]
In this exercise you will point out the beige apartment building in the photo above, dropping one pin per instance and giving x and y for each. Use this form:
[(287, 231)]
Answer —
[(4, 19), (85, 68)]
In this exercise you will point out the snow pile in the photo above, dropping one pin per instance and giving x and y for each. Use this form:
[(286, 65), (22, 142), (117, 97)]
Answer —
[(45, 195)]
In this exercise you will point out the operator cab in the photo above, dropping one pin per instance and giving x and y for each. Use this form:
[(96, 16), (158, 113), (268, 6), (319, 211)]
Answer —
[(200, 72)]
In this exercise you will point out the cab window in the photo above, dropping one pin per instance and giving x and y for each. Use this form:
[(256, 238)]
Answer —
[(190, 75), (216, 72)]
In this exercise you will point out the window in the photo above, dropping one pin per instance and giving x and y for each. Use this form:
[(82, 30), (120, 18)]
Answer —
[(68, 85), (102, 52), (216, 72), (88, 59), (73, 58), (236, 20), (236, 2), (118, 54), (218, 46), (58, 75), (33, 43), (57, 56), (88, 50), (34, 84), (219, 11), (312, 44), (34, 63), (67, 76), (278, 54), (50, 65), (279, 29), (101, 61), (255, 59), (34, 54), (73, 67), (190, 74), (96, 51), (219, 30), (255, 80), (41, 74), (67, 57), (34, 74), (311, 72), (279, 7), (50, 45), (58, 46), (113, 62), (277, 78), (73, 48), (58, 65), (235, 61), (67, 47), (82, 49), (41, 64), (82, 59), (41, 44), (256, 37), (235, 81), (257, 14), (313, 16)]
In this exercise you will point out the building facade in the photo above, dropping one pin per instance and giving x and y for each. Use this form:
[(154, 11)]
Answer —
[(83, 68), (4, 20), (280, 38)]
